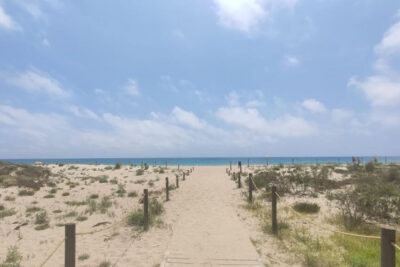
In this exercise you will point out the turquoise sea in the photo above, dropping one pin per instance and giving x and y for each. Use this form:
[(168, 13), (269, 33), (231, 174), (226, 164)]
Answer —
[(201, 161)]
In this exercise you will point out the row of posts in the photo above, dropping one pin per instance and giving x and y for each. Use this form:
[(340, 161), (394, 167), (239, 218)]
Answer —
[(70, 228), (388, 236)]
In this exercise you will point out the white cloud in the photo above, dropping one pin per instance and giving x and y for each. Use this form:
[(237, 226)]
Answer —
[(6, 21), (83, 113), (243, 15), (246, 15), (291, 61), (187, 118), (313, 105), (379, 90), (390, 43), (34, 81), (341, 115), (252, 120), (132, 88)]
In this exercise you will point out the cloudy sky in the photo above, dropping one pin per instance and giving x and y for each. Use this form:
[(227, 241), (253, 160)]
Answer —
[(199, 78)]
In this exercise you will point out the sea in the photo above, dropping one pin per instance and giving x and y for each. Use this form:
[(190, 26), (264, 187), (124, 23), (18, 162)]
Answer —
[(203, 161)]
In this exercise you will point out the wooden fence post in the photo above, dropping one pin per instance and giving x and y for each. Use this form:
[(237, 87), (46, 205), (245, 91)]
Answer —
[(239, 181), (250, 187), (388, 256), (240, 166), (146, 209), (70, 245), (274, 220), (230, 165), (177, 181), (166, 189)]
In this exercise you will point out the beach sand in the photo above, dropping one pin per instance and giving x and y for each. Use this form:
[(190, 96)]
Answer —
[(200, 225)]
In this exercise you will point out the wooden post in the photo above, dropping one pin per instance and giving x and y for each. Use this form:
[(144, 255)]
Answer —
[(166, 189), (250, 188), (388, 259), (240, 166), (70, 245), (146, 209), (229, 172), (177, 181), (184, 176), (274, 220), (230, 165), (239, 182)]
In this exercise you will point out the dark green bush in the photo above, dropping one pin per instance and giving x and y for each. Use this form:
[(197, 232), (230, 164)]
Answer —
[(305, 207)]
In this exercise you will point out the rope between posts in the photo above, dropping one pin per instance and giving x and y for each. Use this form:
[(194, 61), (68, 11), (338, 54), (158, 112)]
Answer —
[(334, 231), (52, 253), (395, 246), (252, 181), (78, 234)]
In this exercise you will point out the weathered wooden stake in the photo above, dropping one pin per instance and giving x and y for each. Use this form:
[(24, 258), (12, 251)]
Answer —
[(250, 188), (166, 189), (177, 181), (184, 176), (239, 181), (146, 209), (274, 220), (388, 252), (70, 245), (240, 166), (230, 165)]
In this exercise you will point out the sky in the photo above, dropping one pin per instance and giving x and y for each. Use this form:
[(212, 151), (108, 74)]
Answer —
[(183, 78)]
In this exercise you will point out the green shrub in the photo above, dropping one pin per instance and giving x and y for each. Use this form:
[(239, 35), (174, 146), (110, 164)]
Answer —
[(370, 167), (139, 172), (65, 194), (105, 264), (81, 218), (305, 207), (132, 194), (155, 207), (32, 209), (6, 213), (53, 191), (49, 196), (103, 179), (94, 196), (121, 190), (41, 218), (76, 203), (105, 203), (26, 192), (117, 166), (136, 218), (13, 258), (83, 257), (42, 227)]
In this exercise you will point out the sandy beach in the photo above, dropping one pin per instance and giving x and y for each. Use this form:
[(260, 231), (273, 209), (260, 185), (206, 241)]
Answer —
[(206, 222)]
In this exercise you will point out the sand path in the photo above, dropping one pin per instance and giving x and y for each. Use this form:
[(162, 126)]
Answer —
[(206, 230)]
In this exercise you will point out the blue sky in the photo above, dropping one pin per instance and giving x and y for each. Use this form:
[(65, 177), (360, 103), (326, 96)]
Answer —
[(199, 78)]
